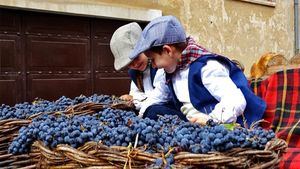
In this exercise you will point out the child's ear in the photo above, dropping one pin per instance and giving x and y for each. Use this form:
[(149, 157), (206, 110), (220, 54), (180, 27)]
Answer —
[(167, 49)]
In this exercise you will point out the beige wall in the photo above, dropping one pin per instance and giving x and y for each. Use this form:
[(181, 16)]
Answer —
[(239, 30)]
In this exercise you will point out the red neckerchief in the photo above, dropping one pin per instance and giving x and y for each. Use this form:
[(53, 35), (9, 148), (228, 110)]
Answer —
[(192, 52)]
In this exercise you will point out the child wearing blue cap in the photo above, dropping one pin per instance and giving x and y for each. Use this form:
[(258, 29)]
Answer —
[(203, 85), (146, 80)]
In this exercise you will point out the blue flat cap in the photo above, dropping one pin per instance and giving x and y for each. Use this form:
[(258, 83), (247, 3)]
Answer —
[(160, 31)]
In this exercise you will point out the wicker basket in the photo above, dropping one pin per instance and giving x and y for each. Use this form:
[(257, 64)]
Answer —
[(97, 155), (9, 129), (271, 63), (94, 155)]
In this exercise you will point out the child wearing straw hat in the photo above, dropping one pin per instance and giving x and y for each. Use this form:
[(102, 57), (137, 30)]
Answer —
[(203, 85), (147, 82)]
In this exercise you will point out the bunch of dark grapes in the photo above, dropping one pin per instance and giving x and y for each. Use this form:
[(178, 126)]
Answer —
[(76, 130), (112, 127), (25, 110), (121, 128)]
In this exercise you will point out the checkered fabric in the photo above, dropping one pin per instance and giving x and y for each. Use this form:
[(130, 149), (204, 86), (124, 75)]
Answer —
[(192, 52), (281, 91), (291, 159)]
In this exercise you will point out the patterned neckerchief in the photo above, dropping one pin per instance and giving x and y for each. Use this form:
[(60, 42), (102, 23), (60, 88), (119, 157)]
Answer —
[(192, 52)]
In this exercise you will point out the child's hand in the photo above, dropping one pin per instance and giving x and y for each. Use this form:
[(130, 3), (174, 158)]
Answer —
[(200, 118), (130, 103), (224, 115), (126, 97), (141, 114)]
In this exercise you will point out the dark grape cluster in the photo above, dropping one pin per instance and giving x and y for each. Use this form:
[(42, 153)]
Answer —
[(105, 99), (166, 164), (24, 110), (169, 134), (74, 130), (121, 128)]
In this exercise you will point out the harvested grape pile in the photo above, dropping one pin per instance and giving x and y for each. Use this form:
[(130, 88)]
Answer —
[(120, 128), (25, 110), (62, 136)]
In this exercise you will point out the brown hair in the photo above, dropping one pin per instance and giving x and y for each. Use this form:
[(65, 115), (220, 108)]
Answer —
[(178, 46)]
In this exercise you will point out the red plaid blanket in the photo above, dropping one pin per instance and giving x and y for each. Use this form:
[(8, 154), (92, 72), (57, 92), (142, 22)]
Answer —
[(291, 159), (281, 91)]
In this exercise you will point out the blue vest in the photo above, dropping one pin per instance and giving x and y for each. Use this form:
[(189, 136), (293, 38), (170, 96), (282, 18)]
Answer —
[(133, 74), (204, 102)]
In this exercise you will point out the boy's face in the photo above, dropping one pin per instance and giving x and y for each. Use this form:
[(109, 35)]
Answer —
[(167, 59), (139, 63)]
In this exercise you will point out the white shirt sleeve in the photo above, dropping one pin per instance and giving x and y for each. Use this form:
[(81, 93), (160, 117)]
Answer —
[(160, 94), (232, 103), (137, 95)]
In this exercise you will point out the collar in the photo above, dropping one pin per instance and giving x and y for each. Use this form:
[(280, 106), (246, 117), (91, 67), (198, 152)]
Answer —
[(191, 53)]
